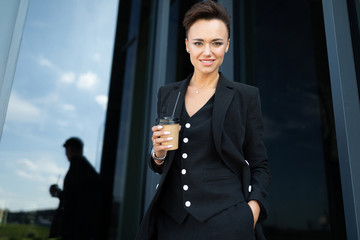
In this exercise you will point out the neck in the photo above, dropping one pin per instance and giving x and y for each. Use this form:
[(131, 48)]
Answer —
[(204, 80), (74, 156)]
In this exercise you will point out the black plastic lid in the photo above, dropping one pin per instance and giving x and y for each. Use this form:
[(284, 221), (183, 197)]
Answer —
[(167, 121)]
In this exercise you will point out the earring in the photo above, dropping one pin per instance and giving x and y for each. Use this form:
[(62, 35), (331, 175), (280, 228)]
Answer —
[(188, 50)]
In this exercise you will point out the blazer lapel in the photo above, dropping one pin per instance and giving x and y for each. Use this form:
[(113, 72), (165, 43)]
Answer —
[(223, 97), (181, 88)]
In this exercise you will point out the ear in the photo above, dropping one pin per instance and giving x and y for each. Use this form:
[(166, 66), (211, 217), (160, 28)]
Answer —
[(187, 45), (227, 46)]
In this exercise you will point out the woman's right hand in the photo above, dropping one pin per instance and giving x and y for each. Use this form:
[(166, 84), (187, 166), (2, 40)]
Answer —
[(159, 139)]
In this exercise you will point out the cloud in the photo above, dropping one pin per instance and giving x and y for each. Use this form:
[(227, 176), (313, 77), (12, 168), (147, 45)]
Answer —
[(28, 164), (87, 80), (21, 110), (51, 168), (30, 176), (102, 100), (45, 62), (41, 166), (96, 57), (42, 170), (68, 107), (62, 123), (67, 77)]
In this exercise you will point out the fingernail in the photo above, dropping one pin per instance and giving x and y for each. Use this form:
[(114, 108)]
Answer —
[(166, 132), (170, 138), (159, 127), (170, 146)]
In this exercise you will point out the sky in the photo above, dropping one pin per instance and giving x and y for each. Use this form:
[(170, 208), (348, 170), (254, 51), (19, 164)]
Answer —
[(60, 90)]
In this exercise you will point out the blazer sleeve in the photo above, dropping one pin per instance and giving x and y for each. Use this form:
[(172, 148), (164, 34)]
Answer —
[(255, 153)]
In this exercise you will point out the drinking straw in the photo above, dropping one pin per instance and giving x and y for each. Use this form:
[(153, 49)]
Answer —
[(177, 99)]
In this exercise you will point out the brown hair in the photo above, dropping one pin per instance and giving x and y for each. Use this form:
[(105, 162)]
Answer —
[(206, 10)]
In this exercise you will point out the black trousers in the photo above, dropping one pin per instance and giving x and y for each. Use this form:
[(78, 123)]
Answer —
[(234, 223)]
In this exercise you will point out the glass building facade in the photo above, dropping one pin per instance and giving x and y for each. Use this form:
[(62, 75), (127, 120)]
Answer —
[(304, 58), (283, 48)]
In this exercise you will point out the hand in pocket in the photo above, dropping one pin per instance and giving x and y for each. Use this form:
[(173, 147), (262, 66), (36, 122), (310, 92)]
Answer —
[(255, 208)]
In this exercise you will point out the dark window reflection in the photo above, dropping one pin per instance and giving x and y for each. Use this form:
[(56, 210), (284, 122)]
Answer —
[(283, 44), (291, 71), (178, 65), (354, 18)]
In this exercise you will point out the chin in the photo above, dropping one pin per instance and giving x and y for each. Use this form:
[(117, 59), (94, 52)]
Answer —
[(208, 71)]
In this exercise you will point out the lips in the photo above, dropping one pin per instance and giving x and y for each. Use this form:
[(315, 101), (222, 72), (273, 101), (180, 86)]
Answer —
[(207, 62)]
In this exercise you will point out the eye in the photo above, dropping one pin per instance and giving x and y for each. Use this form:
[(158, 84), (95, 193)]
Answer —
[(217, 43), (197, 43)]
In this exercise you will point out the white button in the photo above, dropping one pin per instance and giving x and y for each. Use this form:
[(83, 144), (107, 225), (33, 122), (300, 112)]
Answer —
[(187, 125), (185, 140), (157, 185), (185, 187), (187, 203), (247, 162), (184, 155), (249, 188), (183, 172)]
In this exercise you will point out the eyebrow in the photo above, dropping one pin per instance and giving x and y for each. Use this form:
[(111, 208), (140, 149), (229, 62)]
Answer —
[(214, 40)]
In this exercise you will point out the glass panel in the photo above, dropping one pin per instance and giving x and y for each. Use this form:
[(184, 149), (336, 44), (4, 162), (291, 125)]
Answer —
[(12, 21), (178, 65), (354, 18), (291, 71), (132, 71), (60, 90)]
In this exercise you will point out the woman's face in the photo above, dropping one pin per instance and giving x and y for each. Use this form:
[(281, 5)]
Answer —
[(207, 42)]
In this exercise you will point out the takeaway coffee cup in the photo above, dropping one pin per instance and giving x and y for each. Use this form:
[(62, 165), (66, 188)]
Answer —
[(172, 125)]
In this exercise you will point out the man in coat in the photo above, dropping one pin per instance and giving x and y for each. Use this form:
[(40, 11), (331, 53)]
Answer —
[(79, 206)]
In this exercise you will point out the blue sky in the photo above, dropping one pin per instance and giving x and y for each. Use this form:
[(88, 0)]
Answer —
[(60, 90)]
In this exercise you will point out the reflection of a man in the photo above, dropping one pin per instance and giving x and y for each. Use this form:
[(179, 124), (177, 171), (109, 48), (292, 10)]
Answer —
[(79, 206)]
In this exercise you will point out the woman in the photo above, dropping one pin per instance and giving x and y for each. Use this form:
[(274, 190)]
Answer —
[(214, 185)]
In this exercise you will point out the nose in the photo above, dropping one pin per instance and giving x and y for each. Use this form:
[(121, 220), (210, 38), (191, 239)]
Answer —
[(207, 50)]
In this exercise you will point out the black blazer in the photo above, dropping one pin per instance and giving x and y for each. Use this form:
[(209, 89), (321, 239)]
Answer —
[(238, 137)]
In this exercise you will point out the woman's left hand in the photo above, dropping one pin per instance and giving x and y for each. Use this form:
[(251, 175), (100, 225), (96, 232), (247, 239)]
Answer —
[(255, 208)]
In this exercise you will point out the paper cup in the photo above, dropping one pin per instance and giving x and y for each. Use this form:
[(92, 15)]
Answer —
[(172, 125)]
